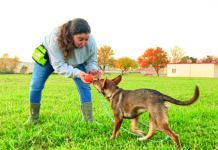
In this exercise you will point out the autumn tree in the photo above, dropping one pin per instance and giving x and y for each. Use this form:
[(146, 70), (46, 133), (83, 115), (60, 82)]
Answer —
[(105, 57), (177, 54), (3, 63), (7, 64), (156, 57), (125, 64)]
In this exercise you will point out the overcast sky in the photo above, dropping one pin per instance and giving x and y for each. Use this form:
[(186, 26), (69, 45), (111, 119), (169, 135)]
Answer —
[(128, 26)]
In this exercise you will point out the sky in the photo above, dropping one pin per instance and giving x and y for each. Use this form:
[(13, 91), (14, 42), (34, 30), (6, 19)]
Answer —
[(129, 26)]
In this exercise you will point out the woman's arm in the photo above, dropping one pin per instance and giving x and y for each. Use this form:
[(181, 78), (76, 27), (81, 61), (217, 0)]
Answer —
[(56, 58)]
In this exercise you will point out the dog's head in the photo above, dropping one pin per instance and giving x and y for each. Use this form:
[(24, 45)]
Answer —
[(107, 86)]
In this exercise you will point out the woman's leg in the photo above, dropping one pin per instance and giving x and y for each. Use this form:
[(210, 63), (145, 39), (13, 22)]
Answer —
[(39, 76), (85, 96)]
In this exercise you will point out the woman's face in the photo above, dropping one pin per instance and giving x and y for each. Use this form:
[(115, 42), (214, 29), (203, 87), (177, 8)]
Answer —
[(80, 40)]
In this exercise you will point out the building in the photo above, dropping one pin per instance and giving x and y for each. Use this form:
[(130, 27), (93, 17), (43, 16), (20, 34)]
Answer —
[(192, 70)]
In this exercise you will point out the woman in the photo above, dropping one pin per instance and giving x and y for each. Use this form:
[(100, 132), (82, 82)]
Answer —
[(72, 52)]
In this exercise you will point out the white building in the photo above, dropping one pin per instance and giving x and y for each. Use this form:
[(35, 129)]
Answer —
[(192, 70)]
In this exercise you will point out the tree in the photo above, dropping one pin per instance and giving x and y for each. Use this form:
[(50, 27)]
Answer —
[(177, 54), (7, 64), (188, 59), (5, 55), (23, 69), (209, 59), (125, 64), (105, 57), (3, 63), (155, 57), (14, 63)]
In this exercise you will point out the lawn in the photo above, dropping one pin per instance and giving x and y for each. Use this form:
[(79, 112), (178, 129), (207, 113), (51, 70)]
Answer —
[(61, 125)]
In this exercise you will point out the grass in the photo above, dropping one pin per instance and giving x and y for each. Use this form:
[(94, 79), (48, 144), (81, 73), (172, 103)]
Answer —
[(61, 125)]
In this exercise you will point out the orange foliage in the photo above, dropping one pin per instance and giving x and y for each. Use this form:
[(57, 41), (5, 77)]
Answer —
[(155, 57)]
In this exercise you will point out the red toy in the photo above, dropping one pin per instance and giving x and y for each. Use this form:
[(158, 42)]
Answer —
[(89, 78)]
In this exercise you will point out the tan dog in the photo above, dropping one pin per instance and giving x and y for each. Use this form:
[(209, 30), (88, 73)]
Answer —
[(132, 103)]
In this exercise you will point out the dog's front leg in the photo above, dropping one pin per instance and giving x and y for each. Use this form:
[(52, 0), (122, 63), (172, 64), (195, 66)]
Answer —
[(117, 124)]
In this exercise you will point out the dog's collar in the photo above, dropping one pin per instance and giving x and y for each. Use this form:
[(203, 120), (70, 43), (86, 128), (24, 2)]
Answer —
[(113, 94)]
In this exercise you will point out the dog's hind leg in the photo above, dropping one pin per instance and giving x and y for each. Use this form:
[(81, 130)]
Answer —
[(152, 129), (134, 127), (117, 124), (163, 126)]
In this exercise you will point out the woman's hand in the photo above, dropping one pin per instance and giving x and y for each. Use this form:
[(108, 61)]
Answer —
[(96, 73), (82, 76)]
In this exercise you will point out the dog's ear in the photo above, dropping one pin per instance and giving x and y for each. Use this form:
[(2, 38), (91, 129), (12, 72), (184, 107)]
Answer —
[(104, 83), (117, 79)]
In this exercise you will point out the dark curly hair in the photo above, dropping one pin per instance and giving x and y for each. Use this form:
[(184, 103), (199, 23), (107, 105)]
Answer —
[(67, 30)]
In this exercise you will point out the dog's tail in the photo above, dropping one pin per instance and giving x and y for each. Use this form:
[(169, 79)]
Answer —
[(178, 102)]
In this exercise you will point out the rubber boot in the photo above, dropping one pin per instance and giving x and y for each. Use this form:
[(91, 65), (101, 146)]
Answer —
[(87, 111), (34, 113)]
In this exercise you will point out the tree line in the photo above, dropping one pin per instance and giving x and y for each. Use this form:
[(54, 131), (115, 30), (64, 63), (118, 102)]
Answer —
[(156, 58), (9, 65)]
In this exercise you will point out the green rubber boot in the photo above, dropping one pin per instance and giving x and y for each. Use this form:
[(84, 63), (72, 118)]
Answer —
[(34, 114), (87, 111)]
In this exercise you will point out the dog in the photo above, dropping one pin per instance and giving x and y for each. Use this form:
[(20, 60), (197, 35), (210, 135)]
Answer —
[(129, 104)]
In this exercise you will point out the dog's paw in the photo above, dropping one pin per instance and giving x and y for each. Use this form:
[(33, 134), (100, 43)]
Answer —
[(112, 137), (141, 138)]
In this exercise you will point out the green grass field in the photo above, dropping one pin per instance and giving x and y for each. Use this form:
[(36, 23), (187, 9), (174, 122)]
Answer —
[(61, 125)]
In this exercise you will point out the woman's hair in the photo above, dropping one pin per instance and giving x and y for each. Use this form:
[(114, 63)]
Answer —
[(67, 30)]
